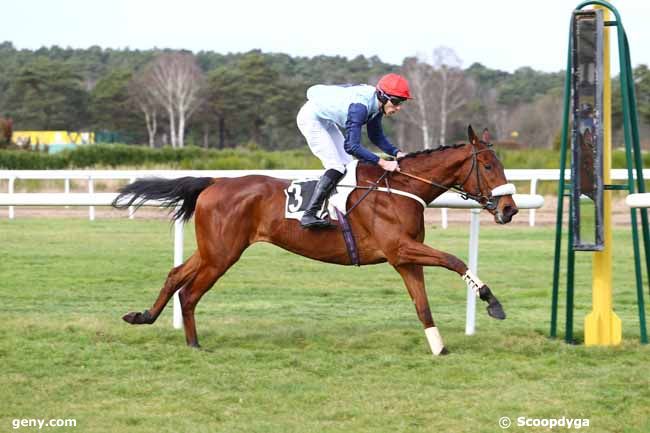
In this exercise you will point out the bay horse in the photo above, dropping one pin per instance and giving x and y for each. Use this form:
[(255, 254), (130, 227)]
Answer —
[(233, 213)]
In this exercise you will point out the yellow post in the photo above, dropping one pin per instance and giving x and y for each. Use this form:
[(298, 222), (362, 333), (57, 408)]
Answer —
[(602, 325)]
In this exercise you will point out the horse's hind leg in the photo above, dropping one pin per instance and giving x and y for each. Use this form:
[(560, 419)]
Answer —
[(176, 278), (190, 295), (209, 271)]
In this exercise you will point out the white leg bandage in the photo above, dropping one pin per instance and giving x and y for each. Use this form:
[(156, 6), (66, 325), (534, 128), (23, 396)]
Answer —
[(473, 281), (434, 339)]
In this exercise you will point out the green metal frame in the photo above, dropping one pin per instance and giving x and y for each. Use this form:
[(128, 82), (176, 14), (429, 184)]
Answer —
[(634, 161)]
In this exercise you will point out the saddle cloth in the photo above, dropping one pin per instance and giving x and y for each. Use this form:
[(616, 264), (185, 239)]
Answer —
[(299, 193)]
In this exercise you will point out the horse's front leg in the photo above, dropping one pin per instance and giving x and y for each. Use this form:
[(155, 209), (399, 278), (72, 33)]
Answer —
[(413, 277), (413, 252)]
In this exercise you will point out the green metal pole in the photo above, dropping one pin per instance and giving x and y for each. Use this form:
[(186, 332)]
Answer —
[(568, 335), (560, 189), (637, 149), (632, 143)]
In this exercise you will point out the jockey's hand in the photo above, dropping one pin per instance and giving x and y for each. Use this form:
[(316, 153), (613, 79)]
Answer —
[(388, 165), (400, 154)]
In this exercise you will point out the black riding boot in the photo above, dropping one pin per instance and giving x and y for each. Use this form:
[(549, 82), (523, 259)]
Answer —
[(325, 184)]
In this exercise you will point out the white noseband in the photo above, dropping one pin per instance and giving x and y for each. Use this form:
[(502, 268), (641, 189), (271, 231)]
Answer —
[(505, 189)]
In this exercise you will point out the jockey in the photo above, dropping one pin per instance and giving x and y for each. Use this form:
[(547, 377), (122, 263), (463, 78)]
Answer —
[(332, 109)]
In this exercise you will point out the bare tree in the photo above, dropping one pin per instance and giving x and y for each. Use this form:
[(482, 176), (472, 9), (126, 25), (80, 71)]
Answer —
[(497, 115), (538, 122), (420, 112), (143, 99), (175, 82), (440, 88), (453, 88)]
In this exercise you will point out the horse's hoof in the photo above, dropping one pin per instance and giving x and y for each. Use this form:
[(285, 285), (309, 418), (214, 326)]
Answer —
[(130, 318), (196, 346), (137, 318), (444, 351), (496, 310)]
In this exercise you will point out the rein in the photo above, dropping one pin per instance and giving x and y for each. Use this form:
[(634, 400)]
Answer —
[(483, 200), (486, 202), (369, 190)]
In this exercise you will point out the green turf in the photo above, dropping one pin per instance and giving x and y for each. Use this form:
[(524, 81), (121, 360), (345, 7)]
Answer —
[(292, 345)]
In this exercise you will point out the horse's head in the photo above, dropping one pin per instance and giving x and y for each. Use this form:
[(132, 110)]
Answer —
[(485, 180)]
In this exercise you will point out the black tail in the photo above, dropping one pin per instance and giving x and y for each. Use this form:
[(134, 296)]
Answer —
[(170, 192)]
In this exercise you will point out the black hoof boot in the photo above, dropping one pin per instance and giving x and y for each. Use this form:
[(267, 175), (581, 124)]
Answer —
[(494, 308)]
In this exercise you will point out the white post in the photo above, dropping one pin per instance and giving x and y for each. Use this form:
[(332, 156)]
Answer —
[(177, 320), (11, 191), (66, 187), (91, 190), (443, 216), (470, 318), (531, 212), (132, 209)]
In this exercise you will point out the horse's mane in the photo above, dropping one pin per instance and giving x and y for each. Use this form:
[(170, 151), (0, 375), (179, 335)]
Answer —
[(425, 152), (430, 151)]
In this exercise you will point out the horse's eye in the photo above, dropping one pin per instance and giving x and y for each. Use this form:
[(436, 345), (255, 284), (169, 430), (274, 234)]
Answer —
[(487, 166)]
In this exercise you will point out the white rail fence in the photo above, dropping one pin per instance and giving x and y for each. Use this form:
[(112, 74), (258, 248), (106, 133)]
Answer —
[(638, 199), (92, 199), (91, 176)]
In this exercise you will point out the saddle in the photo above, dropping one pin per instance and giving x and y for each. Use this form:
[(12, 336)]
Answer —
[(299, 193)]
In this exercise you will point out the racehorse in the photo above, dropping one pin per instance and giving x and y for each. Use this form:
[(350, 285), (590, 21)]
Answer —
[(233, 213)]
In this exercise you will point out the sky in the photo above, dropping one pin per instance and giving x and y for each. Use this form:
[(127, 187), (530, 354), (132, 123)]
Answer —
[(503, 35)]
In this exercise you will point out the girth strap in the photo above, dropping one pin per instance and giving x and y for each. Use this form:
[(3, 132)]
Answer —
[(348, 237)]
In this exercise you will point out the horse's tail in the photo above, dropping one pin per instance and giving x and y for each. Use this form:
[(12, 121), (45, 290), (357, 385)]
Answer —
[(170, 192)]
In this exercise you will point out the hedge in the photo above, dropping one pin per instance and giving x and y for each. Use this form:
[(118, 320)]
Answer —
[(114, 156), (195, 158)]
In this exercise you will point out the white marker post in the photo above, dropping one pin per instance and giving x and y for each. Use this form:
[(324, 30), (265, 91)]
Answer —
[(177, 320), (470, 314)]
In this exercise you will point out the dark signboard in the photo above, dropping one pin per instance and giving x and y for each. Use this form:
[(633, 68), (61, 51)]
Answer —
[(587, 137)]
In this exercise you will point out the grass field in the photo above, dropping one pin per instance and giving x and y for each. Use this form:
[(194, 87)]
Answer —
[(292, 345)]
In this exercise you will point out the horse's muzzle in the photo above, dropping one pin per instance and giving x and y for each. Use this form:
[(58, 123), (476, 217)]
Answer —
[(504, 215)]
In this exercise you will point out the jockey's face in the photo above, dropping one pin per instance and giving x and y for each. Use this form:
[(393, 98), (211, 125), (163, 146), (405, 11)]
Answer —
[(390, 109)]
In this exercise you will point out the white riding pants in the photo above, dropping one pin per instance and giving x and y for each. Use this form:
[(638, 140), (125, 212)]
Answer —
[(324, 138)]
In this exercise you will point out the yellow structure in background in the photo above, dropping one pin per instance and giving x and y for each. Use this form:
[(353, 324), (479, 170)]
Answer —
[(49, 138), (602, 325)]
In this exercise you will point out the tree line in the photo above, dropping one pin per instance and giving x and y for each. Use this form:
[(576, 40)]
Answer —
[(213, 100)]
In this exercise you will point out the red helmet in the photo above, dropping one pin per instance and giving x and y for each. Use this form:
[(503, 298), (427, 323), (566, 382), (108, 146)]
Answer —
[(394, 85)]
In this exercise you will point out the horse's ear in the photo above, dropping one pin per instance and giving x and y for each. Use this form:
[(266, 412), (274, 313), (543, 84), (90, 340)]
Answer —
[(486, 136), (473, 139)]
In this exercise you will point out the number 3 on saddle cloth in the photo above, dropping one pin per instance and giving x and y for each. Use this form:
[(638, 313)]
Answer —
[(299, 193)]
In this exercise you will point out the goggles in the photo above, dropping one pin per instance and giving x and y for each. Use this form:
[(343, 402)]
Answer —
[(396, 100), (385, 97)]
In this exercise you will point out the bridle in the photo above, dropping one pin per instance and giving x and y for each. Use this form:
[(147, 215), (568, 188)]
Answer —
[(488, 203)]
